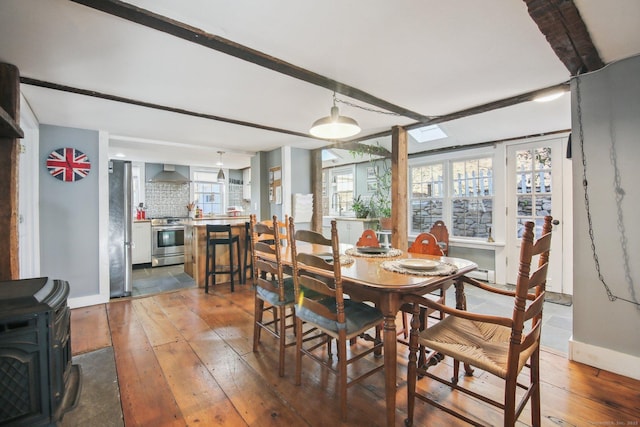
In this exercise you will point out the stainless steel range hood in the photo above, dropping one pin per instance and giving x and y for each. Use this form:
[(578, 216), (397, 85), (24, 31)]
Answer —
[(169, 175)]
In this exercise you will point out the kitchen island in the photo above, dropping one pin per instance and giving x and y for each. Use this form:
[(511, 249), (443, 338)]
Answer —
[(195, 246)]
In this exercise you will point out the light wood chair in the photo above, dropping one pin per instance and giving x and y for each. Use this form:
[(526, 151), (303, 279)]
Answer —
[(441, 233), (273, 291), (283, 230), (368, 239), (334, 316), (501, 346), (425, 243)]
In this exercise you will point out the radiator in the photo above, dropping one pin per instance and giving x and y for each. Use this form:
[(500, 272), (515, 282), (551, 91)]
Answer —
[(484, 275)]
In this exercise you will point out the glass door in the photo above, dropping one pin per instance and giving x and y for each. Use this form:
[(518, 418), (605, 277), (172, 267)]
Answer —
[(534, 172)]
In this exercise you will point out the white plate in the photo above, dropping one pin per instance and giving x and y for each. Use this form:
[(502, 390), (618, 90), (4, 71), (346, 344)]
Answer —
[(418, 264)]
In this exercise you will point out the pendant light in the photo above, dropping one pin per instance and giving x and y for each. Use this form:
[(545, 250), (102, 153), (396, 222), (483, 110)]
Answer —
[(334, 126), (220, 171)]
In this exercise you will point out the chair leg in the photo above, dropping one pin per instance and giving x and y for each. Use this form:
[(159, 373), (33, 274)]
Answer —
[(257, 315), (535, 382), (509, 402), (405, 329), (412, 373), (298, 351), (283, 339), (274, 310), (231, 263), (239, 262), (207, 270), (342, 361)]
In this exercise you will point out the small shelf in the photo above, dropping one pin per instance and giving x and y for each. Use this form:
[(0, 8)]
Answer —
[(8, 127)]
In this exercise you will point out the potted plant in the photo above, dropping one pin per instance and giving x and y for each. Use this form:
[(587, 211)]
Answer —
[(380, 201), (360, 207)]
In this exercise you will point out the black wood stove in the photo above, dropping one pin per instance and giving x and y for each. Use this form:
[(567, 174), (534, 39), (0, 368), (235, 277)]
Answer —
[(38, 382)]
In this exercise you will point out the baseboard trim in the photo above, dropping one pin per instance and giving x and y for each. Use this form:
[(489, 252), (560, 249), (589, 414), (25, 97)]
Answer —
[(87, 300), (604, 358)]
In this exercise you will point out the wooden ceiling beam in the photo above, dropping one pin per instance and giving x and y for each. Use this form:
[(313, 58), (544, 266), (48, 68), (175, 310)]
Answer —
[(95, 94), (195, 35), (560, 22), (501, 103)]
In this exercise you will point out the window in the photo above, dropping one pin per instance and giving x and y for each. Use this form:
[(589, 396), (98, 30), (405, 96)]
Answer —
[(458, 192), (341, 190), (208, 193), (427, 196)]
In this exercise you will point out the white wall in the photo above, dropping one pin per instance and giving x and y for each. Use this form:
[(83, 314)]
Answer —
[(605, 333)]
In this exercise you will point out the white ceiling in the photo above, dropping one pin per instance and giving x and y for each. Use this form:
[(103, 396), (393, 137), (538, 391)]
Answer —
[(431, 57)]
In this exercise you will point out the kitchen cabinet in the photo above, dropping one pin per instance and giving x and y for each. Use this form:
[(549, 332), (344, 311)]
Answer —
[(141, 242), (350, 229)]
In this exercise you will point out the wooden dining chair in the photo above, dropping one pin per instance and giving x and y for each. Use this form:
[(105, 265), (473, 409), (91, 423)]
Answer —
[(283, 230), (501, 346), (273, 291), (368, 239), (425, 244), (333, 315), (441, 233)]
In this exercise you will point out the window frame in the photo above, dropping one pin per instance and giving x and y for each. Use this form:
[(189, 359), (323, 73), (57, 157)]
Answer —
[(221, 185), (447, 159), (335, 171)]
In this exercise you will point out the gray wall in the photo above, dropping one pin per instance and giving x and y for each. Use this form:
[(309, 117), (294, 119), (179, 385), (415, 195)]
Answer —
[(300, 171), (69, 214), (610, 109)]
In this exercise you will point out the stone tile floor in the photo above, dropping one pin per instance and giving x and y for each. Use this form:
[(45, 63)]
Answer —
[(557, 317), (150, 280)]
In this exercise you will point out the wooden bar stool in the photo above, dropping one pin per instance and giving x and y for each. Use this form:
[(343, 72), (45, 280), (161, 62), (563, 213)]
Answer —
[(221, 235)]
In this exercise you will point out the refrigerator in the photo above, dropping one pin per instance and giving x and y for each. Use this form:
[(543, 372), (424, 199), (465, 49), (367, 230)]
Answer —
[(120, 219)]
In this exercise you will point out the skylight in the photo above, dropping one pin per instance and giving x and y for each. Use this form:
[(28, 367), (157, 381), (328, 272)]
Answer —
[(328, 155), (427, 133)]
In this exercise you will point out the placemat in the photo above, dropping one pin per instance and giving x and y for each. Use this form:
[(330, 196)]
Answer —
[(392, 253), (443, 269)]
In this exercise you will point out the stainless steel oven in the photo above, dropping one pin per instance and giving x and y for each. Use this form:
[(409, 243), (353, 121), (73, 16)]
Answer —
[(167, 245)]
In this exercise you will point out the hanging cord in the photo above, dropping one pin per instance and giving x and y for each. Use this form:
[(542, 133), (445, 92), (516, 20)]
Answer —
[(619, 195), (335, 99)]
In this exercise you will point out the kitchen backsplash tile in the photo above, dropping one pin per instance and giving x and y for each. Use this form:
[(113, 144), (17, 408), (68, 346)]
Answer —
[(165, 199)]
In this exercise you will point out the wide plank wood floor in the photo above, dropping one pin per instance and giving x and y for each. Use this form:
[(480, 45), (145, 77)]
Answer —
[(185, 358)]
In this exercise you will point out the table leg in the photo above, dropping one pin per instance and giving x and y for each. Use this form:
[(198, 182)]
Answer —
[(390, 367)]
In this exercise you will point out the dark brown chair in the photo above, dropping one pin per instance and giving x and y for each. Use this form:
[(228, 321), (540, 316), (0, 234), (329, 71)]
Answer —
[(329, 312), (501, 346), (273, 292), (368, 239), (440, 232)]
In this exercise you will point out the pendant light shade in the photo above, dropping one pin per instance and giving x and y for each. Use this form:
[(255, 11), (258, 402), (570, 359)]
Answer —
[(334, 126), (220, 171)]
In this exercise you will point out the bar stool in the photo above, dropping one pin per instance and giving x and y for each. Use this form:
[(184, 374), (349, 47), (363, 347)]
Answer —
[(221, 235)]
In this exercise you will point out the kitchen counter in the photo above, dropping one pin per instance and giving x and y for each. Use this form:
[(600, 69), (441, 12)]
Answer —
[(219, 218), (195, 247)]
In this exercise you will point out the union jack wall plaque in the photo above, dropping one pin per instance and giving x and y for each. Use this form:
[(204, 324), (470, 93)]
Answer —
[(68, 164)]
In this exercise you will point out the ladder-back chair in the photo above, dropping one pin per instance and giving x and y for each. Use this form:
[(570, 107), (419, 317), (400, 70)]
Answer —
[(501, 346), (333, 315)]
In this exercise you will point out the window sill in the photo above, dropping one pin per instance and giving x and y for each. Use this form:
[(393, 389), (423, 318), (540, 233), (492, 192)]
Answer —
[(475, 244)]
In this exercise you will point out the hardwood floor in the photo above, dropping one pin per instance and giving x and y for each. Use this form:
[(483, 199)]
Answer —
[(185, 358)]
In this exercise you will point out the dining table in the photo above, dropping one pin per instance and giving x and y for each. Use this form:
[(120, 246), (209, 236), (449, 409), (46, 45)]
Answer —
[(382, 280)]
